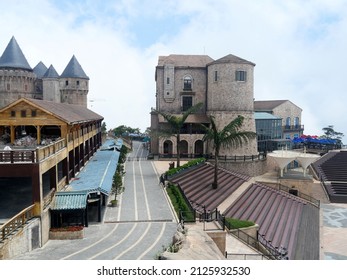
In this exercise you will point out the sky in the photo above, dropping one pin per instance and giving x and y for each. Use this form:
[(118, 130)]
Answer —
[(298, 46)]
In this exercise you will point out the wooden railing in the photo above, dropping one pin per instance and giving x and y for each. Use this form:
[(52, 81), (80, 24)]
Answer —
[(16, 222), (45, 152)]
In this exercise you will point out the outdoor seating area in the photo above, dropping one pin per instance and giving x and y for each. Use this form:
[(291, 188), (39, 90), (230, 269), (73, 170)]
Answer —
[(285, 221), (332, 171), (196, 184)]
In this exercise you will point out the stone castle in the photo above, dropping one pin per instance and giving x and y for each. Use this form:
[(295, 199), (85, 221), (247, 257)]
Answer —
[(18, 79)]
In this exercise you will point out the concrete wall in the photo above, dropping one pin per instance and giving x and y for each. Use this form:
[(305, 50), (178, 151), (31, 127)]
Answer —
[(218, 237), (26, 239)]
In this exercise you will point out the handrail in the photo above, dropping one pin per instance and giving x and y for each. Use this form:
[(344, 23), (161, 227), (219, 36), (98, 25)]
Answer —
[(306, 197), (260, 156), (16, 222)]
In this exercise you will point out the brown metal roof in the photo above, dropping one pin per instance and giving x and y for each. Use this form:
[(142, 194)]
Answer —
[(230, 58), (267, 105), (185, 60), (67, 112)]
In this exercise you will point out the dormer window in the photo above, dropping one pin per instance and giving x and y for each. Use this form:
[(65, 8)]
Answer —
[(187, 83)]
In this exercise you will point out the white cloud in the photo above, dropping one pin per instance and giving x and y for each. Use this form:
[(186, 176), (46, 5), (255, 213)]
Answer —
[(298, 47)]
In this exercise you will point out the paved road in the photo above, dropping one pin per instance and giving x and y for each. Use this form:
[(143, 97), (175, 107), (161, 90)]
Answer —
[(137, 229)]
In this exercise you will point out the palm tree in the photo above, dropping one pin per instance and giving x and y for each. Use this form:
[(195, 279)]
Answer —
[(176, 123), (229, 137)]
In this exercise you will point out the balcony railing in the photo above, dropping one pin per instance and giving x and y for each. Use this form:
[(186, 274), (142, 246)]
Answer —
[(295, 127), (16, 222), (31, 155)]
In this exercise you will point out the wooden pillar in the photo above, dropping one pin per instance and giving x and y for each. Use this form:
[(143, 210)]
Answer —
[(38, 132), (13, 133)]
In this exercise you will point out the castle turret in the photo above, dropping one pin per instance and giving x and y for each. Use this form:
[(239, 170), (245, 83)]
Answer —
[(51, 85), (17, 78), (230, 93), (74, 84)]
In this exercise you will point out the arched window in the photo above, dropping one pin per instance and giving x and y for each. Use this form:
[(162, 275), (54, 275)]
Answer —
[(187, 83), (199, 148), (296, 122), (183, 148), (288, 122), (168, 147)]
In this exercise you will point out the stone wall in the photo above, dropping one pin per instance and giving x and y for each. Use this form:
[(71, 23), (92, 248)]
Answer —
[(250, 168), (24, 240)]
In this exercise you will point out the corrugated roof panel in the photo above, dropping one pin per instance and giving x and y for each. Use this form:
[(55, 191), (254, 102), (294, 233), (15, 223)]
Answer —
[(69, 201)]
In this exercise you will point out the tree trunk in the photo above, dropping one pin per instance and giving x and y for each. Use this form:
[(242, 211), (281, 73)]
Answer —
[(215, 180), (178, 150)]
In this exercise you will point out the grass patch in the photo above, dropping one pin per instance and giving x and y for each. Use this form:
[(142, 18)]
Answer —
[(232, 223), (179, 203)]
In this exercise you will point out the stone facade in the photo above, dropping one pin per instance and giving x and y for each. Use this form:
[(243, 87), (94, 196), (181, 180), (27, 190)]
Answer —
[(287, 111), (223, 86), (18, 79)]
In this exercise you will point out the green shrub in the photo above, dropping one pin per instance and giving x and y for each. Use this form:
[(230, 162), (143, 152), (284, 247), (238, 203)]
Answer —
[(185, 166), (179, 202), (235, 223)]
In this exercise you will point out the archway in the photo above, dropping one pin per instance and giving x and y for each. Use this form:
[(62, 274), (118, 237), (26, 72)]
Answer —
[(198, 148), (183, 148), (167, 146)]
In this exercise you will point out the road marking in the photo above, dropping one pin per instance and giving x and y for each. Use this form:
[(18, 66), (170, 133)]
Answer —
[(137, 242), (92, 245), (155, 242), (115, 245), (145, 193)]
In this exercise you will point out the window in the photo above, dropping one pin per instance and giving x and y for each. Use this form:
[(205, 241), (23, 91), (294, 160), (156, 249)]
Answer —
[(13, 114), (296, 122), (66, 83), (187, 83), (187, 102), (288, 122), (167, 80), (25, 87), (77, 83), (215, 76), (8, 86), (241, 76), (23, 113), (33, 113)]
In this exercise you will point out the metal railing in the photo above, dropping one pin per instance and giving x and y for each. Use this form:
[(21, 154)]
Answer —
[(260, 156), (306, 197), (16, 222)]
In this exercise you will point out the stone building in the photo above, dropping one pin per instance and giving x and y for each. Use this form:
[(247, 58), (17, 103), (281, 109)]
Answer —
[(18, 79), (224, 86), (286, 110)]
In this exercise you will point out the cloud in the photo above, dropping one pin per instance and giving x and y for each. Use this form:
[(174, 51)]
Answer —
[(298, 47)]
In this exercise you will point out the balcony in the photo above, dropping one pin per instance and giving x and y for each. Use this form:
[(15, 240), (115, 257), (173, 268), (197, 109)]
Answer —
[(292, 128)]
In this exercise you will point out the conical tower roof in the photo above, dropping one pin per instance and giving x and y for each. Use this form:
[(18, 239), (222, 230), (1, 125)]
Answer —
[(13, 57), (40, 69), (50, 73), (74, 70)]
